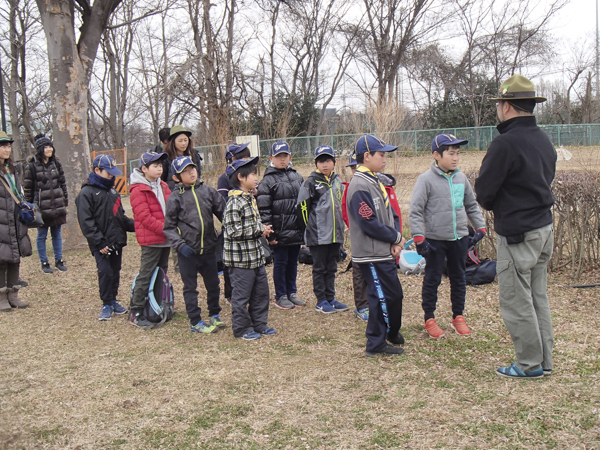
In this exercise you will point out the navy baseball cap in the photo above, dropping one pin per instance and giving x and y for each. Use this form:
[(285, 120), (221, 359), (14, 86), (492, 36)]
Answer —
[(324, 150), (180, 163), (235, 165), (352, 161), (105, 162), (234, 148), (280, 147), (150, 157), (371, 144), (446, 139)]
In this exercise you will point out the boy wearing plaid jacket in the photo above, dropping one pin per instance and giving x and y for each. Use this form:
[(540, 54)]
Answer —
[(243, 254)]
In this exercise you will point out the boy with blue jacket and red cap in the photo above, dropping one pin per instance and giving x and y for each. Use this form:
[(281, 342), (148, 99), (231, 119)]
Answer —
[(376, 243), (189, 227), (442, 204), (104, 224), (319, 209)]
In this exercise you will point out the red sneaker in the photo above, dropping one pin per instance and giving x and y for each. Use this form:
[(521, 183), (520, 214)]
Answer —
[(460, 326), (435, 332)]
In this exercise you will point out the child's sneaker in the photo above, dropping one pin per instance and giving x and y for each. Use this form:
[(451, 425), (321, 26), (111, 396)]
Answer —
[(46, 267), (435, 332), (252, 336), (295, 300), (338, 306), (269, 331), (60, 265), (201, 327), (513, 371), (106, 313), (118, 309), (217, 322), (325, 307), (362, 314), (460, 326), (284, 303)]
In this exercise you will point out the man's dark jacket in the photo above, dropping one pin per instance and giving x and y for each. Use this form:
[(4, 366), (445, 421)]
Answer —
[(515, 177), (276, 200)]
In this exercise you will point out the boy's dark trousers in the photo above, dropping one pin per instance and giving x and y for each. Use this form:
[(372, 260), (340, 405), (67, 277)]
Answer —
[(109, 275), (249, 300), (360, 288), (325, 258), (382, 285), (152, 257), (189, 268), (285, 269), (227, 282), (455, 255)]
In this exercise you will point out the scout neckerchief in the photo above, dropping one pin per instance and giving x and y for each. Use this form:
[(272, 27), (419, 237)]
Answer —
[(381, 186), (252, 200)]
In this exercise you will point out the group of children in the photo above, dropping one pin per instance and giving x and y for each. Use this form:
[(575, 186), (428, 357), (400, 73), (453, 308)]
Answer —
[(288, 211)]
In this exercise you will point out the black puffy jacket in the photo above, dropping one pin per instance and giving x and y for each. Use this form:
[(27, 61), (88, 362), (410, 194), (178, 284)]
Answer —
[(276, 200), (101, 216), (167, 176), (14, 240), (44, 184)]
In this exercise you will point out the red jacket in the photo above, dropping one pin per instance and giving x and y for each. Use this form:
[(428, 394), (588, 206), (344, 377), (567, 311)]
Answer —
[(147, 213)]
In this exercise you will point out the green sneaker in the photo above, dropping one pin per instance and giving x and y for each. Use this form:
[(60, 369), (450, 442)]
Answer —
[(201, 327), (216, 321)]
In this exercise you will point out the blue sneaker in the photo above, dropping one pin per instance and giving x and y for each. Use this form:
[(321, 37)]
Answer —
[(252, 336), (513, 371), (201, 327), (107, 312), (325, 307), (338, 306), (118, 309), (269, 331), (362, 314)]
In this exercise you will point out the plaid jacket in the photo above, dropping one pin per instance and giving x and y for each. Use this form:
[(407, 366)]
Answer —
[(241, 229)]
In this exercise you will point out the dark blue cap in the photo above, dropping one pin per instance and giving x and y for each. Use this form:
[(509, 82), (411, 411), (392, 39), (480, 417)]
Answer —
[(234, 148), (280, 147), (352, 161), (324, 150), (180, 163), (150, 157), (446, 139), (371, 144), (105, 162), (235, 165)]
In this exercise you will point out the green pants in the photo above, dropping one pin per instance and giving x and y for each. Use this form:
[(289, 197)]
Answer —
[(524, 304)]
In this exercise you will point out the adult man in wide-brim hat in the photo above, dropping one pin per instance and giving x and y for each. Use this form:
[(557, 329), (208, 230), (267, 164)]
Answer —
[(514, 183)]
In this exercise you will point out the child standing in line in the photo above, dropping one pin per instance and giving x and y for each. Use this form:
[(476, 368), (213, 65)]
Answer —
[(319, 209), (276, 199), (190, 229), (376, 243), (149, 195), (244, 256), (104, 224), (441, 206)]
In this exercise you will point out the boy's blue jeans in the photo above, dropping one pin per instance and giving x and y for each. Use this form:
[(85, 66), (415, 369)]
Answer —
[(56, 243), (285, 269)]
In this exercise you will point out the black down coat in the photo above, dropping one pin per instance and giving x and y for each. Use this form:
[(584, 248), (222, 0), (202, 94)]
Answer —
[(14, 240), (44, 184), (276, 200)]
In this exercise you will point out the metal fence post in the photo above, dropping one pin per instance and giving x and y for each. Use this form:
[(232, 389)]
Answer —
[(416, 152)]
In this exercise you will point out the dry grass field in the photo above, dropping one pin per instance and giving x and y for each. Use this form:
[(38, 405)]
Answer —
[(68, 381)]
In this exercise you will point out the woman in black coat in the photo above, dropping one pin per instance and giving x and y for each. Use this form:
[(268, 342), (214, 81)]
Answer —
[(14, 241), (44, 183)]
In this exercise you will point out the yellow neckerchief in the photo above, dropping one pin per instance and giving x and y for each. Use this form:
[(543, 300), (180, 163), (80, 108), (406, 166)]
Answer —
[(239, 192), (443, 171), (327, 178), (381, 186)]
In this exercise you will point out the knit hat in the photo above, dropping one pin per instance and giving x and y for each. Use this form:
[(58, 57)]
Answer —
[(41, 143)]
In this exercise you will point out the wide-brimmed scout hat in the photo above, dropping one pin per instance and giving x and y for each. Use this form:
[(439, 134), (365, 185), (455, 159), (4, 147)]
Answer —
[(518, 87), (178, 129), (4, 137)]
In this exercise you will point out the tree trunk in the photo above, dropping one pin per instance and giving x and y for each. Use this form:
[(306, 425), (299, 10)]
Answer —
[(14, 82)]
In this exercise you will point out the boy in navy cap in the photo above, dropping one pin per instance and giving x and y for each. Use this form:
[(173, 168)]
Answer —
[(189, 227), (148, 195), (276, 199), (319, 209), (441, 206), (104, 224), (244, 256), (376, 243)]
